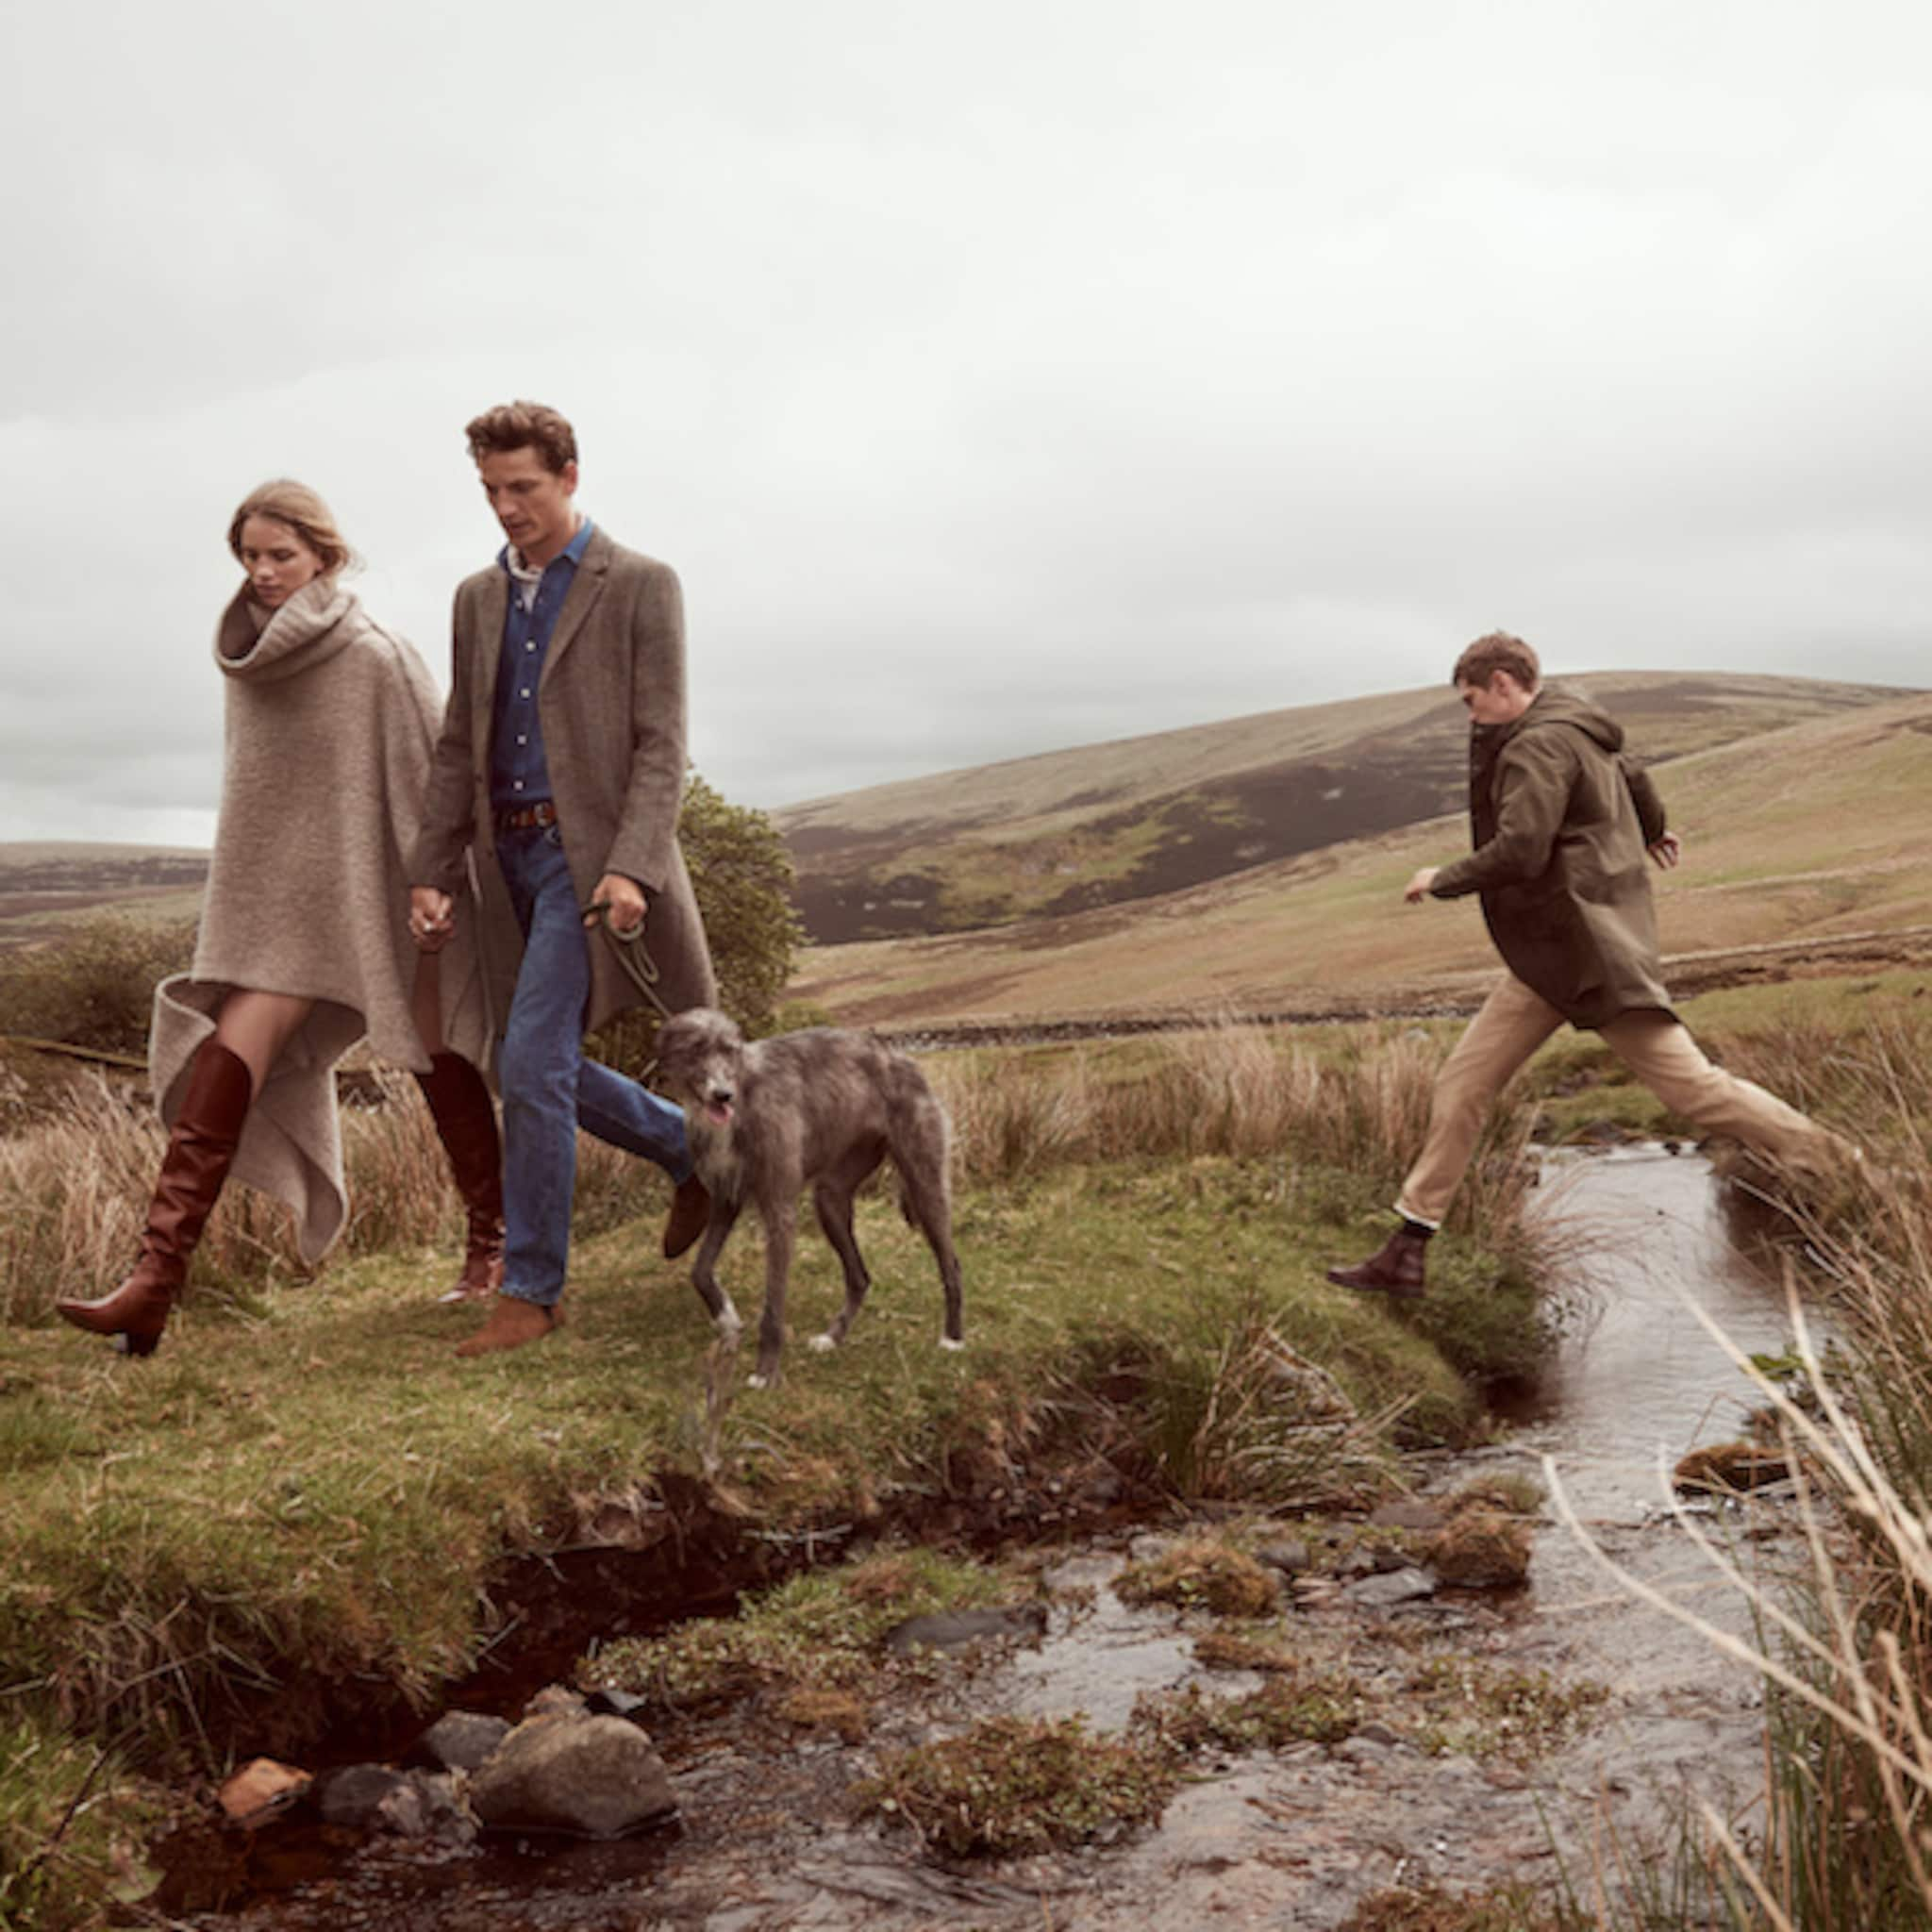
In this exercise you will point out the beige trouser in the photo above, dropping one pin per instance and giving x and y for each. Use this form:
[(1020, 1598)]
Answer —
[(1514, 1022)]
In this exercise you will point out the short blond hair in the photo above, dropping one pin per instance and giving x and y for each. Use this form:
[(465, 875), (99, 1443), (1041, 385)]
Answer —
[(298, 507), (1494, 652)]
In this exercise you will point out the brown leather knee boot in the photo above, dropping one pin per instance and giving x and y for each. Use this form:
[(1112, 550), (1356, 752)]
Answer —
[(200, 1146), (465, 1118)]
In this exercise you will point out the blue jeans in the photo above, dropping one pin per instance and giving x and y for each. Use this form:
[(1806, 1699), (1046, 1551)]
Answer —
[(549, 1088)]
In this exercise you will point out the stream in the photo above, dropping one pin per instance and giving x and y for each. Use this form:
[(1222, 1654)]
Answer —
[(1291, 1838)]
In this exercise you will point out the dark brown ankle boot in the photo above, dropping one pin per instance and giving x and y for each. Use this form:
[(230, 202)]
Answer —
[(465, 1118), (200, 1146), (1398, 1268)]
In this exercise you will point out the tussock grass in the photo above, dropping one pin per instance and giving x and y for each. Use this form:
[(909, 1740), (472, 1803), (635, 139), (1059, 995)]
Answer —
[(75, 1187)]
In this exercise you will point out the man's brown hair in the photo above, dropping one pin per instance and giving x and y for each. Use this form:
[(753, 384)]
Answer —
[(1497, 651), (524, 425)]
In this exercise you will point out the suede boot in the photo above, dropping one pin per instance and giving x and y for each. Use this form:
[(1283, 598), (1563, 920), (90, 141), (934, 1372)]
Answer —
[(1398, 1268), (512, 1322), (200, 1147), (465, 1118)]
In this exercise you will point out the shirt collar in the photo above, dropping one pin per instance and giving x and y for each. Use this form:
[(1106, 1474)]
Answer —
[(512, 559)]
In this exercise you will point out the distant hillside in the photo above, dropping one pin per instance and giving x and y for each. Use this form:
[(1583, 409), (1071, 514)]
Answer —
[(1807, 835), (46, 884), (1108, 824)]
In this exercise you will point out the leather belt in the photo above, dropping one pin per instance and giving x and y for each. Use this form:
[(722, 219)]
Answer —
[(526, 818)]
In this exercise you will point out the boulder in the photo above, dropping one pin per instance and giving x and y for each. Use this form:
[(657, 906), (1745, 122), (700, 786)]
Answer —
[(571, 1771), (460, 1740)]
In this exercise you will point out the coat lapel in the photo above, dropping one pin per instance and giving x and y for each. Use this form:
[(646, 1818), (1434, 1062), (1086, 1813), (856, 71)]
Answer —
[(585, 589), (493, 605)]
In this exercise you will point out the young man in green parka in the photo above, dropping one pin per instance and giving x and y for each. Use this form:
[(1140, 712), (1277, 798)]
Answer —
[(1563, 822)]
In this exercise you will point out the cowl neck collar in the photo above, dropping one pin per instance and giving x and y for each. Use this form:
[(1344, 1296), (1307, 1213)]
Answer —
[(304, 632)]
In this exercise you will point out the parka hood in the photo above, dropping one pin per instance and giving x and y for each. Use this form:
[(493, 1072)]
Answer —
[(1556, 704)]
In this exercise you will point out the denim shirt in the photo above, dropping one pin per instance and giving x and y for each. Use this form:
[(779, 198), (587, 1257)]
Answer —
[(518, 772)]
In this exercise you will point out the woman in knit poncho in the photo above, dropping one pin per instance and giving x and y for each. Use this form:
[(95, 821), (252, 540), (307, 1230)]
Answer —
[(305, 944)]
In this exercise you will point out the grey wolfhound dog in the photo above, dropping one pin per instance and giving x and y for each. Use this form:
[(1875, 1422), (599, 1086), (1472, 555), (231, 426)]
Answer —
[(823, 1106)]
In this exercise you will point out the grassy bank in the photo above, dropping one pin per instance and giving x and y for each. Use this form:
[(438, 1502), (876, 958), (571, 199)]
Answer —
[(304, 1492)]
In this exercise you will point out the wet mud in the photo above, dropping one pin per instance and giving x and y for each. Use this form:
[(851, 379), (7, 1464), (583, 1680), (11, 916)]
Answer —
[(770, 1839)]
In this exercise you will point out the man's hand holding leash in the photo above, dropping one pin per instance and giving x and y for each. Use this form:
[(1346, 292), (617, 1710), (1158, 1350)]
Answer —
[(620, 902)]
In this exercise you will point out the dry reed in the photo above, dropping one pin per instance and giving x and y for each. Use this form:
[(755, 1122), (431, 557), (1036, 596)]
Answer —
[(74, 1186)]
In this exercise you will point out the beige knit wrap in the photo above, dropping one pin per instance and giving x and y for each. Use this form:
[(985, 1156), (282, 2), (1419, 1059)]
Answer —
[(330, 722)]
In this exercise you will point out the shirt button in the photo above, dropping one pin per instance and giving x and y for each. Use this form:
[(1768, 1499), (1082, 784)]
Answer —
[(523, 738), (516, 784), (524, 692), (529, 647)]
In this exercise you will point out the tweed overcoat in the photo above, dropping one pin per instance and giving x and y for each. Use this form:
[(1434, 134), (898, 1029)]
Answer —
[(613, 706), (1562, 818), (329, 722)]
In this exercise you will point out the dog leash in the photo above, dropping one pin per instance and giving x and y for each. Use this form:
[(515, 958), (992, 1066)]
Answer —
[(634, 960)]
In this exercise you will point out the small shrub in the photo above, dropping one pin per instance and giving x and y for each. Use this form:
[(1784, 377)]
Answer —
[(1012, 1785)]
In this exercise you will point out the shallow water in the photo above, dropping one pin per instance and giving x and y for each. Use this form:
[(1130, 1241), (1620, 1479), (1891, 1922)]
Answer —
[(1640, 1379)]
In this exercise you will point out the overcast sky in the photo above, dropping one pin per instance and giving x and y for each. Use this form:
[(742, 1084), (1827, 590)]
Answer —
[(997, 377)]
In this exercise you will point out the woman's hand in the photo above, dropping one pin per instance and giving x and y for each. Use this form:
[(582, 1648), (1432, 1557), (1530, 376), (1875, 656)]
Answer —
[(432, 918)]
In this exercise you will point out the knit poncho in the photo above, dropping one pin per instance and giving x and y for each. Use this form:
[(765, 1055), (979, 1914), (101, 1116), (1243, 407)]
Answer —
[(330, 722)]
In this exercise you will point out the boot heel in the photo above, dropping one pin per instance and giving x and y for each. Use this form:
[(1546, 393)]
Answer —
[(127, 1343)]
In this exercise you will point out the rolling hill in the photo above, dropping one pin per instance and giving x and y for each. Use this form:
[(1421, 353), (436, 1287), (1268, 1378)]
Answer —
[(1805, 835), (1142, 817)]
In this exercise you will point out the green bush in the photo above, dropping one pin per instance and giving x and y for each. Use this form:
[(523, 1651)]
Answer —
[(742, 874), (95, 987)]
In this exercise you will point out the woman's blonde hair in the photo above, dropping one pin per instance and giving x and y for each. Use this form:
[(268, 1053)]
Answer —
[(297, 506)]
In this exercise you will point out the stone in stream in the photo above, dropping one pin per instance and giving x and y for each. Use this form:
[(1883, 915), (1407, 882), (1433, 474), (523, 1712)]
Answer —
[(568, 1771), (261, 1790), (1408, 1512), (949, 1629), (1384, 1591), (460, 1740), (1290, 1555), (404, 1804)]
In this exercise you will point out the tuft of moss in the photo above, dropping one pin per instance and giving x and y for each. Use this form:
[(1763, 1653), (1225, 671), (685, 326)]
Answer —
[(1496, 1909), (1296, 1706), (1012, 1785), (1480, 1709), (1482, 1549), (818, 1634), (1201, 1572)]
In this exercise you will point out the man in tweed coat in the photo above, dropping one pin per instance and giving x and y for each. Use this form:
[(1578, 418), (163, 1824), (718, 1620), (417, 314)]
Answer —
[(562, 759)]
